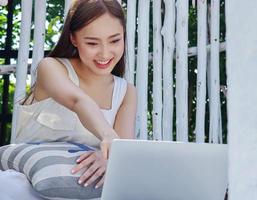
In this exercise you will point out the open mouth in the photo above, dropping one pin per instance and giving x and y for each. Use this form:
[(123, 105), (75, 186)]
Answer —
[(103, 63)]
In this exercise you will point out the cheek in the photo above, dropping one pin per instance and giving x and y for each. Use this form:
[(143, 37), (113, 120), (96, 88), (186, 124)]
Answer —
[(120, 50), (87, 52)]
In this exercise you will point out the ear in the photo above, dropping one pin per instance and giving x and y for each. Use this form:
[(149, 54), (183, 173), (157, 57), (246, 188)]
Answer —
[(73, 40)]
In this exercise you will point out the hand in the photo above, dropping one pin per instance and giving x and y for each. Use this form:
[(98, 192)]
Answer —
[(105, 145), (95, 165)]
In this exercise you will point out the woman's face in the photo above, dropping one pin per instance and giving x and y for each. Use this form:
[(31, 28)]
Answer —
[(100, 44)]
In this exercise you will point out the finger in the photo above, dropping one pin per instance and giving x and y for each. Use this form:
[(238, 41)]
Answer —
[(96, 175), (100, 183), (84, 156), (88, 174), (84, 163)]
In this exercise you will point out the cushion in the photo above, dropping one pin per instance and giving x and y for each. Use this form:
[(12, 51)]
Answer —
[(48, 167)]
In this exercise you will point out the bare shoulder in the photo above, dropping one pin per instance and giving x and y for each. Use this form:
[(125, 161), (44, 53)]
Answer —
[(131, 89), (131, 94), (48, 61), (50, 72), (48, 64)]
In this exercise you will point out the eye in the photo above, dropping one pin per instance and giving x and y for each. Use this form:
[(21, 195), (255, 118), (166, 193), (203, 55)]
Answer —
[(91, 43), (115, 41)]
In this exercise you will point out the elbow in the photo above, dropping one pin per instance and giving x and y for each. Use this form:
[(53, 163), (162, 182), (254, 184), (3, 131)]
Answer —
[(81, 102), (74, 103)]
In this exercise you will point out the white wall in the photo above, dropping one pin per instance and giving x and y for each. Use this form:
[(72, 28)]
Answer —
[(241, 19)]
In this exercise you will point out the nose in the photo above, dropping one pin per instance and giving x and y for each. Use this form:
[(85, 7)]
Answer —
[(104, 52)]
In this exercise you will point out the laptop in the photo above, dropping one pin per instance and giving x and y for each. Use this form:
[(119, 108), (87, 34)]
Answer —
[(162, 170)]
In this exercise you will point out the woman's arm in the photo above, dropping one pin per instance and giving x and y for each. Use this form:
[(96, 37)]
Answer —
[(53, 81), (126, 116), (125, 128)]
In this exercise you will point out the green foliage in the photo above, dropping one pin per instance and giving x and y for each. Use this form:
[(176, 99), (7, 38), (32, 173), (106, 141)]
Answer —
[(10, 106), (16, 25), (3, 26), (55, 20)]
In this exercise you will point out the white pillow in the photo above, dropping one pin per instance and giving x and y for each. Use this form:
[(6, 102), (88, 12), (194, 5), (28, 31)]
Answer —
[(48, 166)]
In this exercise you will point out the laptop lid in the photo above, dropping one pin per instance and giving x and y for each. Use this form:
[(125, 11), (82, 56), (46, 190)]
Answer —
[(160, 170)]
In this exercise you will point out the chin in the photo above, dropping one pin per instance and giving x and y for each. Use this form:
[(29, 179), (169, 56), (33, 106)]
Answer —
[(103, 72)]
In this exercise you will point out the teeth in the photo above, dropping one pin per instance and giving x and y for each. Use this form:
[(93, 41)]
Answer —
[(102, 62)]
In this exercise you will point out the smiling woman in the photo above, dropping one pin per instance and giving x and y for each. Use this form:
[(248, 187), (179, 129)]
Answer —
[(80, 94)]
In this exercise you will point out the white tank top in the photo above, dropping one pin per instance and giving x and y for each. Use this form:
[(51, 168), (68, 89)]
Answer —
[(48, 120)]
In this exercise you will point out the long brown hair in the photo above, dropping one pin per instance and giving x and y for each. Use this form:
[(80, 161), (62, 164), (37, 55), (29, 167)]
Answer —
[(81, 13)]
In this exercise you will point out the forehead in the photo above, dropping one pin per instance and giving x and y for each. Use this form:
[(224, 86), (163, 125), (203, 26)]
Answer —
[(104, 26)]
